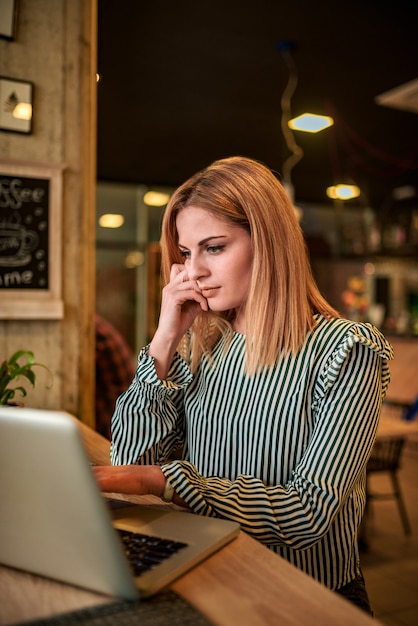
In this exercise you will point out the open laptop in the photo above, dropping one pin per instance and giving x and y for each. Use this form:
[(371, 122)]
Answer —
[(55, 522)]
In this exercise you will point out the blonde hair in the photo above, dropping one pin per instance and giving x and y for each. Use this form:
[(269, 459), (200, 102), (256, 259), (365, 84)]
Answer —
[(283, 296)]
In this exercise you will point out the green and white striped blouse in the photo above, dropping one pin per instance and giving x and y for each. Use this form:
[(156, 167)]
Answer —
[(282, 452)]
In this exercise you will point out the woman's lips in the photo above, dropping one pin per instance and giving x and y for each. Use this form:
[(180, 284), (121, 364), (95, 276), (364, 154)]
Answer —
[(207, 292)]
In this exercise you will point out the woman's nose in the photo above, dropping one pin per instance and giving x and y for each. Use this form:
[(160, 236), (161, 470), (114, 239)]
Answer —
[(196, 268)]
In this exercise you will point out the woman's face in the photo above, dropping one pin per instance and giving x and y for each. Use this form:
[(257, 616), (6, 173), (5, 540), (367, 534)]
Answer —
[(218, 256)]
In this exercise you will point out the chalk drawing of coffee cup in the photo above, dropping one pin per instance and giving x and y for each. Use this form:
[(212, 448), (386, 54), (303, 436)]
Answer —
[(16, 245)]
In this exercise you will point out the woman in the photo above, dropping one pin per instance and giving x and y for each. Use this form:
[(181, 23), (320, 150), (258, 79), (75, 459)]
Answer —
[(273, 399)]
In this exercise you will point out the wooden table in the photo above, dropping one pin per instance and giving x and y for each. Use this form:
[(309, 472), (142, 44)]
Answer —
[(244, 583)]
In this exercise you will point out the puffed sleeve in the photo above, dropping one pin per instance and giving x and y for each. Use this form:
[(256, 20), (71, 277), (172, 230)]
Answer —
[(366, 335), (148, 423)]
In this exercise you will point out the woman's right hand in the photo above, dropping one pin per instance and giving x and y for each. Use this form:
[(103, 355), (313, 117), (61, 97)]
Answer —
[(181, 303)]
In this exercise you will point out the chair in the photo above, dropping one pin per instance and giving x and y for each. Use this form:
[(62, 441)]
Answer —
[(386, 457)]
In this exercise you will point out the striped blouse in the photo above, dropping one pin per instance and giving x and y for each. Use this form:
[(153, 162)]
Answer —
[(283, 452)]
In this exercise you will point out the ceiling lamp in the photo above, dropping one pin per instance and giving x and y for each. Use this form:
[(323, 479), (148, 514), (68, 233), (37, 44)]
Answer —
[(310, 122), (343, 192), (111, 220), (156, 198), (288, 124)]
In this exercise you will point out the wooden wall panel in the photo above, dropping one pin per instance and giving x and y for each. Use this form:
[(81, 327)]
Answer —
[(55, 48)]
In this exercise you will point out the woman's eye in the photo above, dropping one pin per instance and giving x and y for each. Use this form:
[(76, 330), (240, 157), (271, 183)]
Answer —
[(185, 254), (215, 249)]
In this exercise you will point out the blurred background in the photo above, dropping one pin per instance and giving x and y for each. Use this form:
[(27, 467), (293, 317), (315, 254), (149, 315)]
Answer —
[(182, 84)]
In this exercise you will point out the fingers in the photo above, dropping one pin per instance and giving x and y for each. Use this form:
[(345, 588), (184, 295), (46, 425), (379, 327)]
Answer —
[(182, 289), (176, 269), (119, 479), (187, 294), (179, 275), (130, 479), (182, 302)]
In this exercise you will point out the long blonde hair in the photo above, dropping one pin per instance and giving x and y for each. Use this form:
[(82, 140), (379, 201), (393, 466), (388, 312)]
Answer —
[(283, 295)]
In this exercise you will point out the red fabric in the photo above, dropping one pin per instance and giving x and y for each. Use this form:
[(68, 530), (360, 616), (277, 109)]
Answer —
[(115, 369)]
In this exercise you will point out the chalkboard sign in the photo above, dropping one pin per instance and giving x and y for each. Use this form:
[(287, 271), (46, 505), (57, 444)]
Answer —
[(30, 241), (24, 226)]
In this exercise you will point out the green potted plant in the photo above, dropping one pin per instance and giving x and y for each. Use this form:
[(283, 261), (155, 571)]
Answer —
[(13, 369)]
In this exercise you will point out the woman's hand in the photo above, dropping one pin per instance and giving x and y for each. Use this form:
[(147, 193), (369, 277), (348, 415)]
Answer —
[(182, 301), (133, 479)]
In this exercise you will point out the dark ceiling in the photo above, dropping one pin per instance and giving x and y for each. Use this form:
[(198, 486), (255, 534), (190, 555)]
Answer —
[(184, 83)]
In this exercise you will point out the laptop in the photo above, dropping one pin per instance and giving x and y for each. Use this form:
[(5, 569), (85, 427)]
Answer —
[(55, 522)]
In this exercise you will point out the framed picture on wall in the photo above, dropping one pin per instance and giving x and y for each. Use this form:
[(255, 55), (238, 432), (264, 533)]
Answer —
[(15, 105), (30, 240), (8, 17)]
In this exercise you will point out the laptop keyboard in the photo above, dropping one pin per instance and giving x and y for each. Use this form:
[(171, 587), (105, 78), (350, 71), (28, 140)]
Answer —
[(145, 552)]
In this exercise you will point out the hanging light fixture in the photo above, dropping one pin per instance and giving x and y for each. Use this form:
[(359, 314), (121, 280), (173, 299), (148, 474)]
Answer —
[(310, 122), (343, 192)]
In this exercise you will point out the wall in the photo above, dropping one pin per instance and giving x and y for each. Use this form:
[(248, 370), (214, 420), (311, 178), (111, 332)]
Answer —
[(55, 48)]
